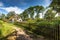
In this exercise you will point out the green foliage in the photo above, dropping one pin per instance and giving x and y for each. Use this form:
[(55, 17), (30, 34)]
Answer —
[(2, 17), (31, 11), (56, 5), (5, 29), (30, 21), (58, 17), (38, 9), (10, 14), (24, 15), (47, 27), (49, 15), (41, 27)]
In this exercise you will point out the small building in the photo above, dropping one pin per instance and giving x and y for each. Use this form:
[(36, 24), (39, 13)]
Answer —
[(15, 18)]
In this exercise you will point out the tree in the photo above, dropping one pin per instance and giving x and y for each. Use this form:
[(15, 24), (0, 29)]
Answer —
[(2, 17), (49, 15), (34, 9), (56, 5), (38, 9), (10, 14), (30, 12), (24, 15)]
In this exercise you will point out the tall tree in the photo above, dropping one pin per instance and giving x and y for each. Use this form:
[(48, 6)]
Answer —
[(24, 15), (30, 12), (34, 9), (38, 9)]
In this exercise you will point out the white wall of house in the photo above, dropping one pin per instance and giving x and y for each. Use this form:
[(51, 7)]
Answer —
[(19, 20), (58, 14)]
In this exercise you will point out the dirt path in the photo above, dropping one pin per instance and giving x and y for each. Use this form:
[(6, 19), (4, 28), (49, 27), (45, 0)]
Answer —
[(19, 31), (19, 34)]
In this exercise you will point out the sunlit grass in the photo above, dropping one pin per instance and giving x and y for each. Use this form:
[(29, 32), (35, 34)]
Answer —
[(5, 28)]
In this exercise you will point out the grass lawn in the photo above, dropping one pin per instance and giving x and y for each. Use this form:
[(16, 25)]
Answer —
[(5, 28)]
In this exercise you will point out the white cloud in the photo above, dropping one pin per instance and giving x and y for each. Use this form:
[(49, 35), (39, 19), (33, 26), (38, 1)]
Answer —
[(15, 9), (1, 4)]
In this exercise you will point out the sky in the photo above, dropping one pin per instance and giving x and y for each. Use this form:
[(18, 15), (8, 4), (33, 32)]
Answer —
[(20, 5)]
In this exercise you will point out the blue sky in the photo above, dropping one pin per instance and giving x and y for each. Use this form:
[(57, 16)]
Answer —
[(20, 5)]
